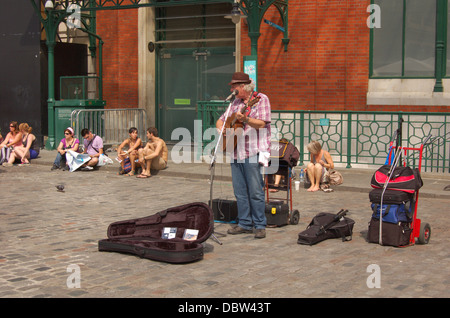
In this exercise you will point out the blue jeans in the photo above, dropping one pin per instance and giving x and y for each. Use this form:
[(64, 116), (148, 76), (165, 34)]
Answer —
[(248, 186), (60, 159)]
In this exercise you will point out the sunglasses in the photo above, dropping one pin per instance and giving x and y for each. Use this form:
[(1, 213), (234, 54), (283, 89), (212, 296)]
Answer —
[(66, 133)]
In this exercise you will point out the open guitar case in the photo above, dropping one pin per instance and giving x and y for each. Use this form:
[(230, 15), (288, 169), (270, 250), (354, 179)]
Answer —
[(174, 235)]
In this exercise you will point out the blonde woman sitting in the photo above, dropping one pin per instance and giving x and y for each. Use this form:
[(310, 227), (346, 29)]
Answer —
[(320, 162)]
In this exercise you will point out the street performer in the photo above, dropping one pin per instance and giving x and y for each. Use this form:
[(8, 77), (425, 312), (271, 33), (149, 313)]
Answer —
[(248, 184)]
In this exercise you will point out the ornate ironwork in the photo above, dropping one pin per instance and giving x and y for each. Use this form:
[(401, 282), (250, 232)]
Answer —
[(354, 138), (255, 10)]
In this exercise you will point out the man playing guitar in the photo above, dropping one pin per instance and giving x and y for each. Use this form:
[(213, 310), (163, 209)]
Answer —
[(248, 184)]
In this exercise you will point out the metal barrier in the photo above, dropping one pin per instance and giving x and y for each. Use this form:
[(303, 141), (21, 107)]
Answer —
[(110, 124), (355, 138)]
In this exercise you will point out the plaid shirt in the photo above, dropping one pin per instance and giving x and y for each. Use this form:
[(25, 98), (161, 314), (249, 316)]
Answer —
[(253, 140)]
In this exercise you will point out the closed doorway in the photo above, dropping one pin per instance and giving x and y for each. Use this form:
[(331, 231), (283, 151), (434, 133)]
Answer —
[(195, 61)]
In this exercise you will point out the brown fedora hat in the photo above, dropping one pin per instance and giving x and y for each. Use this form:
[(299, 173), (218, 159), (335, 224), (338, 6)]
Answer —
[(240, 78)]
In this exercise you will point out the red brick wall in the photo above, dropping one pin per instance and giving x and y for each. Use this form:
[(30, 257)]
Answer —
[(119, 31), (326, 66)]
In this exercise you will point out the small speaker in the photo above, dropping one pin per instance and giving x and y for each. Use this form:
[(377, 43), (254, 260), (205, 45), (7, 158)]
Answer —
[(224, 210)]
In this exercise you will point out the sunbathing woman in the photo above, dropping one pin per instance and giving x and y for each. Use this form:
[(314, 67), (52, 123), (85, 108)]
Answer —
[(320, 160), (29, 148), (13, 139)]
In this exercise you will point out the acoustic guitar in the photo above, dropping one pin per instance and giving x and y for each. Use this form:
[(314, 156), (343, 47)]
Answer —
[(233, 122)]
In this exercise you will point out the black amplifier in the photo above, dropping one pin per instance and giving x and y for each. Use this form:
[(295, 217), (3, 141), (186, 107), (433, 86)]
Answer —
[(224, 210)]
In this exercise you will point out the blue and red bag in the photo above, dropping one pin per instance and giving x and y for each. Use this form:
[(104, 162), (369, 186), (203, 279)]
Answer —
[(127, 165), (402, 179)]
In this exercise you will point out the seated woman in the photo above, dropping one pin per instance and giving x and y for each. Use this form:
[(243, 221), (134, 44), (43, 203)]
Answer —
[(13, 139), (320, 162), (66, 144), (29, 149), (132, 144)]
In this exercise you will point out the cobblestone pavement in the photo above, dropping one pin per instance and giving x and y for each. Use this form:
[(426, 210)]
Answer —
[(46, 236)]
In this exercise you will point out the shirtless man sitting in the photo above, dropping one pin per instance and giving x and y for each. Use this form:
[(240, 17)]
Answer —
[(154, 155)]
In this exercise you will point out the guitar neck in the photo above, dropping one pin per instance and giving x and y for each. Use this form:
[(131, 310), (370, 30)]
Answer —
[(250, 103)]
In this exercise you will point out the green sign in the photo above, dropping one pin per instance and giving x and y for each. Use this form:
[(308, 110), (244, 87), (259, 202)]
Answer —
[(182, 101)]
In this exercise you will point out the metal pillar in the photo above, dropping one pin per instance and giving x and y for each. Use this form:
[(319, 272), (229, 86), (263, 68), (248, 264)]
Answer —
[(255, 10), (441, 27), (51, 24)]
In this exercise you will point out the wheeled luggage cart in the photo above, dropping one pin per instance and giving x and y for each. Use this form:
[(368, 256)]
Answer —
[(420, 230), (279, 211)]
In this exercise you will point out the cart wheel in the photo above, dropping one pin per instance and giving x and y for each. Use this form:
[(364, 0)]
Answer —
[(295, 217), (425, 233)]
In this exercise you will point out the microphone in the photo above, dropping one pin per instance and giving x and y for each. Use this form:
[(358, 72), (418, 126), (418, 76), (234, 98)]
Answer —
[(232, 95)]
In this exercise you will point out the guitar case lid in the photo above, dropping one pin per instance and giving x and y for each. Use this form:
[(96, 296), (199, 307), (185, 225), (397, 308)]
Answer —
[(174, 235)]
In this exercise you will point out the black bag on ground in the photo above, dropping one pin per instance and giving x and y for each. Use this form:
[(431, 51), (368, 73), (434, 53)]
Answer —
[(326, 226), (393, 234)]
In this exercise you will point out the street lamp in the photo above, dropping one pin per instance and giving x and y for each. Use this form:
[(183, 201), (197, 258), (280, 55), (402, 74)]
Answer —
[(49, 5), (235, 14)]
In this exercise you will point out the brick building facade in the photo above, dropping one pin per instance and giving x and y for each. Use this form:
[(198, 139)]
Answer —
[(326, 65)]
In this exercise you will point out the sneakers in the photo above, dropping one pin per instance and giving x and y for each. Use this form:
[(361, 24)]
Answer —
[(54, 167), (259, 233)]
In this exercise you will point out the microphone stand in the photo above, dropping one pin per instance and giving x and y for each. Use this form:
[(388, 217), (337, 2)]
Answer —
[(212, 169)]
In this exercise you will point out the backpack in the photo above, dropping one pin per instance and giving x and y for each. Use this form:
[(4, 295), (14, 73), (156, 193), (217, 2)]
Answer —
[(285, 151), (394, 213), (325, 226)]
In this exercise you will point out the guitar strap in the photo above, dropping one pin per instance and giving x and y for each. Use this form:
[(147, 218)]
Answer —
[(254, 94)]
